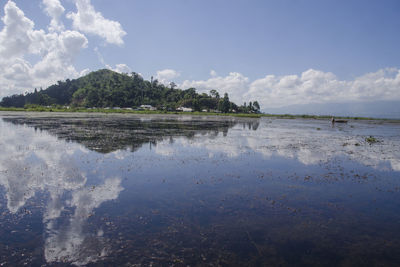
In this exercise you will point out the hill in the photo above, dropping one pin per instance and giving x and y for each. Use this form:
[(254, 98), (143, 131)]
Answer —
[(106, 88)]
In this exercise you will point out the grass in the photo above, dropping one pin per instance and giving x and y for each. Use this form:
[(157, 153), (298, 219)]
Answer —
[(101, 110), (246, 115)]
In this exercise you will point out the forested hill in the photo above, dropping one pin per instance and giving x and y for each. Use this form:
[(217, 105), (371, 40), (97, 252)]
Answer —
[(106, 88)]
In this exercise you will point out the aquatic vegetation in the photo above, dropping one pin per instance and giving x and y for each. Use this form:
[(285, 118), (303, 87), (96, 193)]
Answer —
[(371, 140)]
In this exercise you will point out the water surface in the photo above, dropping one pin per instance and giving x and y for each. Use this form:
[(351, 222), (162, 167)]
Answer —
[(84, 189)]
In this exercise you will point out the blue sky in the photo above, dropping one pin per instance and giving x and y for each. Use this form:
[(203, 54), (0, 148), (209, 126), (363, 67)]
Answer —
[(280, 52)]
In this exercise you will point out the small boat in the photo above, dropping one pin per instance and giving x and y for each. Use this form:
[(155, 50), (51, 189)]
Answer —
[(333, 120)]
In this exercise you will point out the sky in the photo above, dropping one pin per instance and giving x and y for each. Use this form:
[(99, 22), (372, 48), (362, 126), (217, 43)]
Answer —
[(280, 53)]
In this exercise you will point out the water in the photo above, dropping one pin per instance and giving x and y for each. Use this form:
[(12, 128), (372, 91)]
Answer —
[(84, 189)]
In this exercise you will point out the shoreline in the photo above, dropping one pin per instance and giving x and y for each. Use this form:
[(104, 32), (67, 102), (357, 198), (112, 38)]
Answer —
[(145, 112)]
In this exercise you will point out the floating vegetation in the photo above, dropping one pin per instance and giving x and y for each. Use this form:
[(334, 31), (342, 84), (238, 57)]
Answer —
[(371, 140)]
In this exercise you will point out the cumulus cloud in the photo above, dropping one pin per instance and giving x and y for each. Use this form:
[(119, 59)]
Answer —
[(56, 50), (18, 37), (167, 75), (33, 58), (311, 86), (59, 59), (88, 20), (235, 84), (120, 68), (54, 9), (314, 86)]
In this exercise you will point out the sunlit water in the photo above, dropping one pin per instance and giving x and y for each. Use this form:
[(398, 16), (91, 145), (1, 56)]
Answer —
[(129, 190)]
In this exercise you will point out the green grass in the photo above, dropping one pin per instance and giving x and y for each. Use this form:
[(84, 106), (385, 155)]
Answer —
[(246, 115), (101, 110)]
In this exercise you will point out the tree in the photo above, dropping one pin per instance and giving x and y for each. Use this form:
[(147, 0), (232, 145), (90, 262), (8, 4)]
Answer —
[(224, 104), (256, 106), (172, 84), (214, 93), (190, 93), (196, 105), (105, 88)]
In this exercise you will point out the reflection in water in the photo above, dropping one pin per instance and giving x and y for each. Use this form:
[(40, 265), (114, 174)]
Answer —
[(164, 190), (33, 163), (110, 133), (288, 138), (68, 243), (311, 143)]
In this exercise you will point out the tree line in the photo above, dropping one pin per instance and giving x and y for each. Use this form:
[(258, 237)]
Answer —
[(106, 88)]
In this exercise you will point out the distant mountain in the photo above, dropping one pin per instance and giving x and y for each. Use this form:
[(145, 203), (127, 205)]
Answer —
[(106, 88), (376, 109)]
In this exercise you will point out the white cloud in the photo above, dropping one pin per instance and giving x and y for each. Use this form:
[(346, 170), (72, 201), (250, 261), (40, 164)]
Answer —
[(120, 68), (55, 10), (56, 51), (166, 76), (312, 86), (18, 37), (88, 20), (58, 61), (235, 84)]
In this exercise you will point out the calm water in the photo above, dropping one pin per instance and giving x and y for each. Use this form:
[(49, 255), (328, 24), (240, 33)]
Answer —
[(124, 190)]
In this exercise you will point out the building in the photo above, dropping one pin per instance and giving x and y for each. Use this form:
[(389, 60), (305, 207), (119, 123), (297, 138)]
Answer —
[(183, 109), (147, 107)]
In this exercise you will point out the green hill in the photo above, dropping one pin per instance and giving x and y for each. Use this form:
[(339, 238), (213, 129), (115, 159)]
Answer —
[(106, 88)]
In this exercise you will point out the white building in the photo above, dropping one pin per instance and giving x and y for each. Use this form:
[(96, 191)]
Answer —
[(148, 107), (184, 109)]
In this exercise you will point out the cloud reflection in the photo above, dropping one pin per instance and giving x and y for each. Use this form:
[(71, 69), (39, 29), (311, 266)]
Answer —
[(69, 243), (35, 162), (309, 143)]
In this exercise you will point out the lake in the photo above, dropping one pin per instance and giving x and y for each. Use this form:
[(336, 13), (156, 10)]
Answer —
[(132, 190)]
